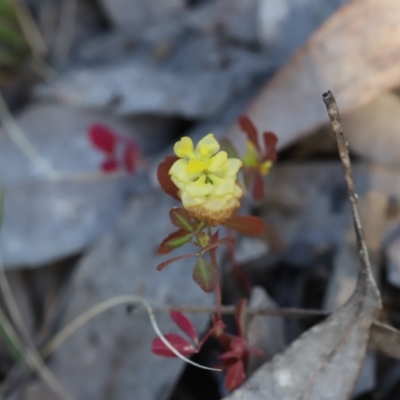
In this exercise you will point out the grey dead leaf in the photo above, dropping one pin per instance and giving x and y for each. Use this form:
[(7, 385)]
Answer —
[(324, 362), (334, 57), (128, 13), (46, 220), (195, 80), (117, 355), (373, 130)]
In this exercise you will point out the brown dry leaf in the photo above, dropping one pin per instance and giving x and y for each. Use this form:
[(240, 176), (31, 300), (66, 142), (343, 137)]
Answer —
[(356, 54), (386, 339)]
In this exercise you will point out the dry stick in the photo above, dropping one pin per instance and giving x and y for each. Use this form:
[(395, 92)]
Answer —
[(81, 320), (272, 312), (31, 31), (17, 136), (66, 31), (21, 141), (32, 356), (334, 115)]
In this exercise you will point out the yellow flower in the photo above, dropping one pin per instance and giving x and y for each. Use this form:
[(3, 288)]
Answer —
[(251, 159), (206, 179)]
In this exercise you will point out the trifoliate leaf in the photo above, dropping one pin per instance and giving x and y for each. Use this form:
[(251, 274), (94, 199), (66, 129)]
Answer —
[(174, 240), (250, 130), (205, 275), (246, 224), (181, 219)]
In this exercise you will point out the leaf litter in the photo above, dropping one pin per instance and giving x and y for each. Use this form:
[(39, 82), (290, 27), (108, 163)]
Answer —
[(325, 361)]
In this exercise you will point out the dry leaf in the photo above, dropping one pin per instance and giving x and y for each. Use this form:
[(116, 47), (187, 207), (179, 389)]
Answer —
[(355, 53), (323, 363), (386, 339)]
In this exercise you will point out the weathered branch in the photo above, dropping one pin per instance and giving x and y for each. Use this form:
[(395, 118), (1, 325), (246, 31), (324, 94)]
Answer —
[(334, 115)]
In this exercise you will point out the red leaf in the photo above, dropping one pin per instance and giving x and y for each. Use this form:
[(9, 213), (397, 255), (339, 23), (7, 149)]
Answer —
[(131, 157), (164, 264), (238, 344), (235, 354), (235, 376), (109, 165), (205, 275), (184, 324), (181, 219), (164, 179), (258, 188), (250, 130), (181, 344), (246, 224), (255, 350), (174, 240), (270, 141), (102, 137)]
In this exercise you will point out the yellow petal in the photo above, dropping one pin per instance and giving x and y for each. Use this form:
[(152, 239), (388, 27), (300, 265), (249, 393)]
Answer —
[(230, 168), (216, 162), (198, 187), (223, 186), (207, 147), (238, 192), (179, 170), (196, 166), (184, 148), (179, 184), (265, 167), (189, 201)]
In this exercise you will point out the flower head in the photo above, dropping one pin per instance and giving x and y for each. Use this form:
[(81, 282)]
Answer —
[(206, 179)]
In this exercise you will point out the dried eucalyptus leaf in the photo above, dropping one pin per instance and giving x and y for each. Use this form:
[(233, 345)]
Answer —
[(324, 362), (386, 339)]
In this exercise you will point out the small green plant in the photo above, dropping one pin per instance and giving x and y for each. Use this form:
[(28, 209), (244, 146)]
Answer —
[(14, 49), (205, 180)]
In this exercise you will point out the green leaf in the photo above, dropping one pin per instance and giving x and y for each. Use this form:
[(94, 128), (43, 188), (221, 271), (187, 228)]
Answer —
[(205, 275), (7, 10), (246, 224), (11, 36), (174, 240), (181, 219)]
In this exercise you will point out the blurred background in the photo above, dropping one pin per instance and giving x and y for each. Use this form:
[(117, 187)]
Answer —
[(93, 95)]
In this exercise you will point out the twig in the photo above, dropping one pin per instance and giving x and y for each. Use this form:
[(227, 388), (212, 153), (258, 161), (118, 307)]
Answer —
[(16, 134), (31, 31), (342, 145), (32, 357), (78, 322), (272, 312), (65, 34)]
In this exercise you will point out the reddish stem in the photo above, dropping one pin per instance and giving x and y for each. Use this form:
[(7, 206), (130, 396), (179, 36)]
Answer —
[(218, 292)]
